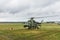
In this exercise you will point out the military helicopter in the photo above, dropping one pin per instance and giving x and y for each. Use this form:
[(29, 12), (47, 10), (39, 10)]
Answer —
[(32, 24)]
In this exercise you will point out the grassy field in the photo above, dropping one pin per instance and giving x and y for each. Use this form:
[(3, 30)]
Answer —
[(46, 32)]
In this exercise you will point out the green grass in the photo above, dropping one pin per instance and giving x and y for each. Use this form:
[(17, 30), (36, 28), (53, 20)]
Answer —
[(8, 26), (46, 32)]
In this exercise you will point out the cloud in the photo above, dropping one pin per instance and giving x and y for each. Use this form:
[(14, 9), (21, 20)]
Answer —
[(13, 6), (18, 9)]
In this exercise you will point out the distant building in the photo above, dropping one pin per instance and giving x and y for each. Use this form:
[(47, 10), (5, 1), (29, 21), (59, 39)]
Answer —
[(50, 22)]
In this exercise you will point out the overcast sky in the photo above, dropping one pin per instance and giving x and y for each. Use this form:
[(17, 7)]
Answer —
[(20, 10)]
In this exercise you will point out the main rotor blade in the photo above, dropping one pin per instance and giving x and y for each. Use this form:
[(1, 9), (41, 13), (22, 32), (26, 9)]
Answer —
[(46, 16)]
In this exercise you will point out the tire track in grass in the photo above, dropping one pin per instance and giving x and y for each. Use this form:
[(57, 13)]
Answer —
[(2, 37), (41, 36)]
